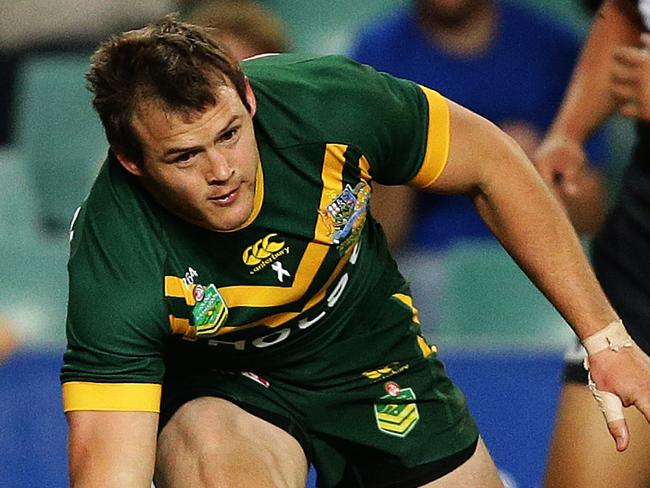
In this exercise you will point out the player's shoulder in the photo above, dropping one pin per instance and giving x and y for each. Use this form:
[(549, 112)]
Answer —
[(116, 229), (302, 69), (302, 98)]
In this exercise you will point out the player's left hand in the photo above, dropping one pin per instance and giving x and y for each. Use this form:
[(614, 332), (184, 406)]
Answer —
[(630, 79), (626, 374)]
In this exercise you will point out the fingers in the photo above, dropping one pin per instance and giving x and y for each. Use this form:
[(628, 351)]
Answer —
[(612, 408), (645, 40), (619, 431), (624, 86), (627, 55), (643, 405), (630, 109)]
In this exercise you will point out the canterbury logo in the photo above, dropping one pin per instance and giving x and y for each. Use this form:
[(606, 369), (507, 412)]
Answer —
[(261, 250)]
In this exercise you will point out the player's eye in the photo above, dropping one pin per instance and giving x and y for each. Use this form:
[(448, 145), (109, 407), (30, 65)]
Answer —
[(185, 157), (230, 135)]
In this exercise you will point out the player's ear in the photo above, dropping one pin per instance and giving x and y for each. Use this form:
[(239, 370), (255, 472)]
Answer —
[(250, 97), (131, 166)]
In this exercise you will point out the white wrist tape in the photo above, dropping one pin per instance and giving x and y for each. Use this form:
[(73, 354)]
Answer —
[(613, 337)]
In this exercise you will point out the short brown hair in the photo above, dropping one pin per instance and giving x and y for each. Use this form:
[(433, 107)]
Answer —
[(247, 20), (170, 61)]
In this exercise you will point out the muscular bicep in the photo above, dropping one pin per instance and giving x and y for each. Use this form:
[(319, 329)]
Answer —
[(111, 449), (478, 152)]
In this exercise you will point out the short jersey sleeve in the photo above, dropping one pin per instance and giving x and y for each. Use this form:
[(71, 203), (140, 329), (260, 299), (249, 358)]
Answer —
[(400, 127), (404, 128), (115, 325)]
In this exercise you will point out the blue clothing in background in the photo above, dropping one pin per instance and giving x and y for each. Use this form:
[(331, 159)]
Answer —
[(521, 76)]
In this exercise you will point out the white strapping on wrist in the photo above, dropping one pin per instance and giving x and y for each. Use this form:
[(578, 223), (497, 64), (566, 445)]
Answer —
[(613, 337)]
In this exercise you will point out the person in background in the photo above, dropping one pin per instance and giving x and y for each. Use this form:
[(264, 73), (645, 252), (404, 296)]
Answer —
[(245, 26), (9, 341), (612, 75), (506, 62)]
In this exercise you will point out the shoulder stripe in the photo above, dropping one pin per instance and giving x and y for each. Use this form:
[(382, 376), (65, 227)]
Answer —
[(437, 150), (120, 397)]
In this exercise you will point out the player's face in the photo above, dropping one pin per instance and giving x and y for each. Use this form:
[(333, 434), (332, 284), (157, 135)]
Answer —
[(202, 166), (449, 11)]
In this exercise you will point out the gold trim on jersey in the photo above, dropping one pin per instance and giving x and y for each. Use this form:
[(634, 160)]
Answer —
[(175, 287), (181, 326), (282, 318), (119, 397), (408, 301), (425, 347), (310, 263), (258, 198), (437, 151), (364, 166)]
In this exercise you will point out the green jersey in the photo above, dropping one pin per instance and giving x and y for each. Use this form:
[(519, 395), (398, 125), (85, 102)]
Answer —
[(150, 293)]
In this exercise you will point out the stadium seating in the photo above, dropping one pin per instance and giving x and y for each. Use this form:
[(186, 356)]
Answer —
[(18, 217), (57, 133), (33, 289), (475, 296)]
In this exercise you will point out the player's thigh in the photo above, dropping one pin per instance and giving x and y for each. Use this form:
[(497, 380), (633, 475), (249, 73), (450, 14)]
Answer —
[(583, 454), (479, 470), (212, 442)]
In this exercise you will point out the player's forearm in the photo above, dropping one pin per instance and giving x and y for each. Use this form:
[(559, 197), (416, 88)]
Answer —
[(528, 221), (111, 449), (589, 100)]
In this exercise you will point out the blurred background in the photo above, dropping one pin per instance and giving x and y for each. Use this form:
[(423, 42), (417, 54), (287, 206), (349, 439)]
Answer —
[(501, 340)]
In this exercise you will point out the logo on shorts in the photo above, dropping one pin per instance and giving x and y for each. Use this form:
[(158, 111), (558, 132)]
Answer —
[(397, 413), (345, 215), (384, 372), (210, 312)]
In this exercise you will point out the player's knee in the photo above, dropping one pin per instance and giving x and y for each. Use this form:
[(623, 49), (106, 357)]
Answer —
[(221, 445)]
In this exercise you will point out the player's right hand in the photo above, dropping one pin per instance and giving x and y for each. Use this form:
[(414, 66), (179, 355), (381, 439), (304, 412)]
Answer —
[(626, 374), (560, 162)]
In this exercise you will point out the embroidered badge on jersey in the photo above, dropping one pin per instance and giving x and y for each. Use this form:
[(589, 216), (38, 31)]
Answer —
[(210, 311), (345, 215), (397, 418)]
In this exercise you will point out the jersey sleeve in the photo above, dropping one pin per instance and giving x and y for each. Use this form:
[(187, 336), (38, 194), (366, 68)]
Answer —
[(402, 127), (115, 325)]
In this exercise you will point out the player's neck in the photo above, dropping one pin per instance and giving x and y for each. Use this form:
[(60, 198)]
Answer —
[(467, 37)]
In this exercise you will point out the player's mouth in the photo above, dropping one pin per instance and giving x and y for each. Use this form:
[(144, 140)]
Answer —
[(225, 199)]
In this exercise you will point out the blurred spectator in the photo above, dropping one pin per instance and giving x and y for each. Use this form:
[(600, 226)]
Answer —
[(504, 61), (8, 340), (245, 26)]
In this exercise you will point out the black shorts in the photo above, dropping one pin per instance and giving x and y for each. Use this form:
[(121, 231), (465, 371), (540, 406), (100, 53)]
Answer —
[(621, 260), (364, 419)]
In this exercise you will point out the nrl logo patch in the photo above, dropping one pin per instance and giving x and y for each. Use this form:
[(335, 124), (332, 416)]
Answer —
[(210, 311), (345, 215), (400, 417)]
